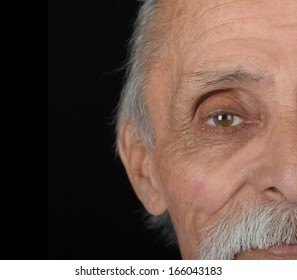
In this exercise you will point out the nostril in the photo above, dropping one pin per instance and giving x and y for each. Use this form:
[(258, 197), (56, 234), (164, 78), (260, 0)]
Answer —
[(275, 194), (273, 189)]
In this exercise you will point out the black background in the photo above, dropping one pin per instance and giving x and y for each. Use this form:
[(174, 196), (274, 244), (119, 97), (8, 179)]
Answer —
[(92, 207)]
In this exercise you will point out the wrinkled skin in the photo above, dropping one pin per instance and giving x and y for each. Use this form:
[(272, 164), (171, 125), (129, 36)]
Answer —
[(198, 168)]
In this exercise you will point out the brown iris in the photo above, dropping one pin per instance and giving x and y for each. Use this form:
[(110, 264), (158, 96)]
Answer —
[(224, 120)]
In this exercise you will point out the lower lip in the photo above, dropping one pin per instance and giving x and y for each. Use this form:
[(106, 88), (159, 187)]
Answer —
[(283, 251)]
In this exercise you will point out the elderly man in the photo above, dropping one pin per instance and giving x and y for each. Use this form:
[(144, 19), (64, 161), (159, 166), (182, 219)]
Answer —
[(207, 124)]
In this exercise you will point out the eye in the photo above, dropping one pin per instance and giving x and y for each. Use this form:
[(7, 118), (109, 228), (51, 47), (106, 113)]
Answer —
[(224, 120)]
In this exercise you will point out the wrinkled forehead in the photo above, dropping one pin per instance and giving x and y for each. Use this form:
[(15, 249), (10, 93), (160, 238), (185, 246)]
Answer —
[(195, 29), (209, 12), (187, 21)]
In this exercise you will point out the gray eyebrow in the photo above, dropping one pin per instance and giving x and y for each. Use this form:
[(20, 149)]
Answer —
[(212, 78)]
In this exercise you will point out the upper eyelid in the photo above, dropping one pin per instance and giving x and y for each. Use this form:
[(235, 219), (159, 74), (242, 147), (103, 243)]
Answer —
[(221, 112), (209, 94), (232, 94), (229, 100)]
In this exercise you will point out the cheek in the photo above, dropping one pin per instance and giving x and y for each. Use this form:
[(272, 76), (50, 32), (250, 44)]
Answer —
[(208, 192), (205, 179), (203, 186), (198, 188), (186, 185)]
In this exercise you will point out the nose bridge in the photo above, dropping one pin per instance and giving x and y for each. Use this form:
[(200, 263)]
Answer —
[(283, 157), (276, 158), (284, 140)]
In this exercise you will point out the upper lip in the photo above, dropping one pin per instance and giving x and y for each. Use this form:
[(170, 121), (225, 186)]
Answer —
[(283, 250)]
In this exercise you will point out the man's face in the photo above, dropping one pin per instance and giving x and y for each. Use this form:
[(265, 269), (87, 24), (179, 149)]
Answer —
[(223, 107)]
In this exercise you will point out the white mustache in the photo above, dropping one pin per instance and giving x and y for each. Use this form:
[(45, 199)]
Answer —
[(256, 225)]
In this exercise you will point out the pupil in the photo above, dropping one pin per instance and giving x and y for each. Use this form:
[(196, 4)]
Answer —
[(224, 120)]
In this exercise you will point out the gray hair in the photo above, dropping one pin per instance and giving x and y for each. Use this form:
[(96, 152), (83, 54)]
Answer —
[(256, 225), (132, 104)]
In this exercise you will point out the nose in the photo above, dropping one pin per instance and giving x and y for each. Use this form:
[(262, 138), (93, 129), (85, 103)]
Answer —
[(276, 175)]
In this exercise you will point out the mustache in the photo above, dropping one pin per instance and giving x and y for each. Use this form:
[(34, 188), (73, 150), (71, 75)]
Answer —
[(255, 225)]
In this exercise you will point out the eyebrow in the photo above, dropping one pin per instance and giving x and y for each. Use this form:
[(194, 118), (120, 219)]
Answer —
[(224, 78)]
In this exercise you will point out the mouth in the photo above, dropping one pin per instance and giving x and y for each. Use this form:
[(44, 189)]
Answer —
[(277, 252)]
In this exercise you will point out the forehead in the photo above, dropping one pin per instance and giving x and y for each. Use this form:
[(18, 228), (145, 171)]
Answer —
[(206, 13), (204, 22), (208, 33)]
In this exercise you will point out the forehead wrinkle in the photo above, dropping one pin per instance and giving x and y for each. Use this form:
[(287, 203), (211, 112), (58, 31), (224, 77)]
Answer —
[(228, 28), (217, 8), (211, 15), (214, 6)]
